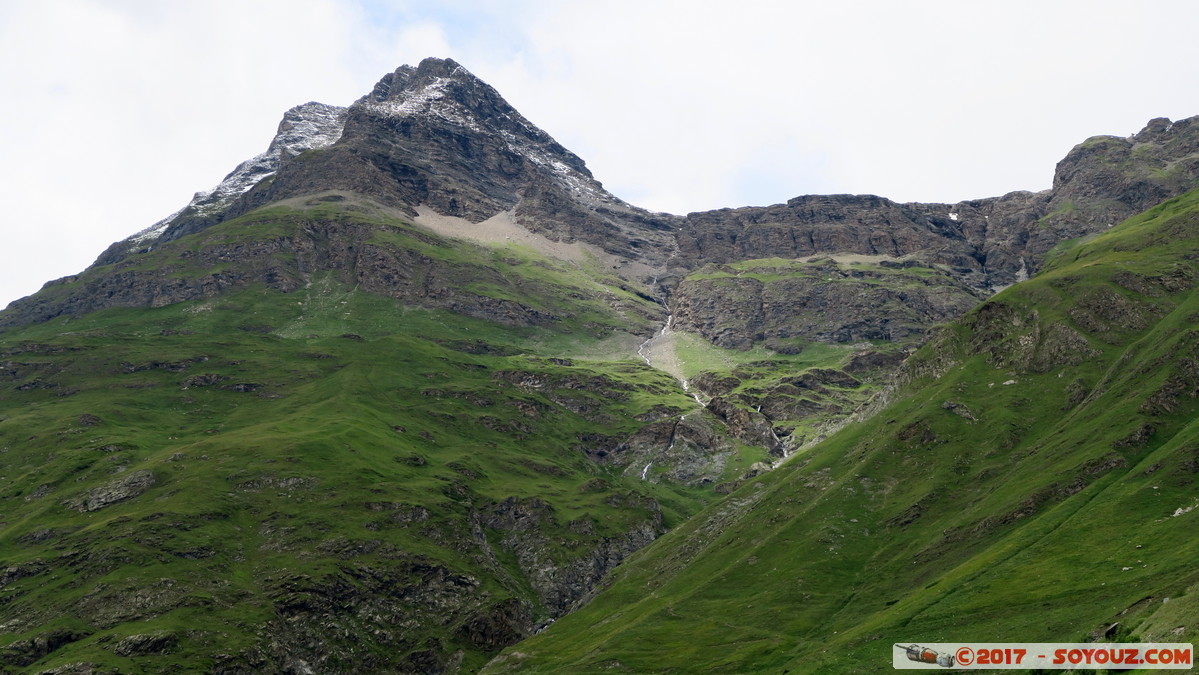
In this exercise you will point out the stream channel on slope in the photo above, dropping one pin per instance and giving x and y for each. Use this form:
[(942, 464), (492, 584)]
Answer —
[(659, 352)]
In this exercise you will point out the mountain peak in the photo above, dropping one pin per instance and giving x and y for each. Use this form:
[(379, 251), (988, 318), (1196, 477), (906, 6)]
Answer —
[(428, 70), (443, 91), (439, 87), (428, 136)]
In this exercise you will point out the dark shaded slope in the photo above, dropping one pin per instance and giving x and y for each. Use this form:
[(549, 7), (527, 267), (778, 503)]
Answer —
[(282, 248)]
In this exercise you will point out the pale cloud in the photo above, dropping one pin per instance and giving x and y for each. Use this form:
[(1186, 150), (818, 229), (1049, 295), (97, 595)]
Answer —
[(912, 100), (119, 110)]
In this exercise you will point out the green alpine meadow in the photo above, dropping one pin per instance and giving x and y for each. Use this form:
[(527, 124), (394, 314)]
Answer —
[(411, 392)]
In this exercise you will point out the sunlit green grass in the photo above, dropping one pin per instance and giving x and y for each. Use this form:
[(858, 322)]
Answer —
[(992, 501)]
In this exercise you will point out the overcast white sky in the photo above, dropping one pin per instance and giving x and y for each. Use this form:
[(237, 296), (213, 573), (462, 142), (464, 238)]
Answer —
[(114, 112)]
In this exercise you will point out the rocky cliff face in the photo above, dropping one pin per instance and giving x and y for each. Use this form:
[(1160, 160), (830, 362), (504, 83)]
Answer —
[(1107, 179), (974, 247), (861, 224), (987, 243), (785, 303)]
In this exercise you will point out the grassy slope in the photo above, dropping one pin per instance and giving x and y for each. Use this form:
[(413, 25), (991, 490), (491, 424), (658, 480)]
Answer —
[(1031, 483), (301, 443)]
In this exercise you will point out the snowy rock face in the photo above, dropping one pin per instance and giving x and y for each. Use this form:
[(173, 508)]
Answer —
[(433, 135), (444, 91), (304, 127)]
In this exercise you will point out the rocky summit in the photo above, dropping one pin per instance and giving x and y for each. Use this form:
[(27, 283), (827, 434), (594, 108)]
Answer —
[(411, 392)]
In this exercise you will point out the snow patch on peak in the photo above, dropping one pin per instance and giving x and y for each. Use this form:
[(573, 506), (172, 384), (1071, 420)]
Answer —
[(309, 126), (306, 127), (435, 98), (152, 233), (413, 101), (428, 99)]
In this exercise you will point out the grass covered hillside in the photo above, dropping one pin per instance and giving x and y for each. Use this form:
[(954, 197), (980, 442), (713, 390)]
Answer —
[(323, 437), (284, 469), (1033, 479)]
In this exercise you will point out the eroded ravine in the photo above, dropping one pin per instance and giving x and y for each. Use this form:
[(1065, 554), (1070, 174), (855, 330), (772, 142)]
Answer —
[(659, 352)]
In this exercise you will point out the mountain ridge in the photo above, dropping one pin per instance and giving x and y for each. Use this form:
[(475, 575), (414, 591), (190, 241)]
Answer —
[(417, 393), (397, 143)]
